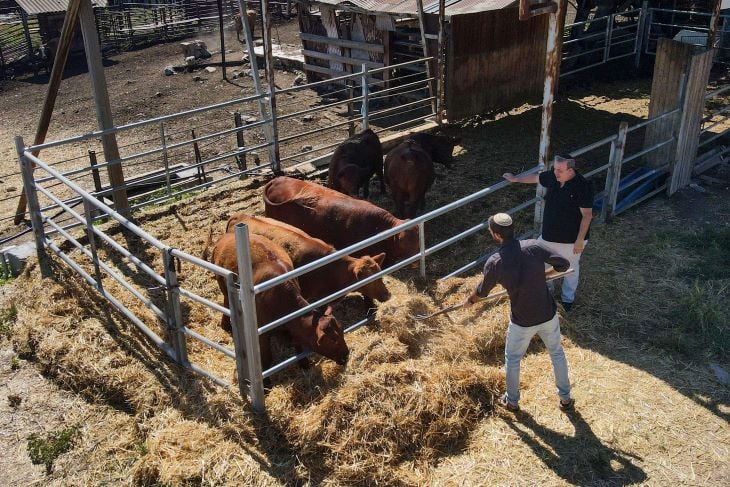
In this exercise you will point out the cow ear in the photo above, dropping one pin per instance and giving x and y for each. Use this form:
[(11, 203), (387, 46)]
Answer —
[(379, 259)]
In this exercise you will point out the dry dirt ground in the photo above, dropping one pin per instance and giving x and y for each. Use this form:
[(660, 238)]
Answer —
[(649, 411)]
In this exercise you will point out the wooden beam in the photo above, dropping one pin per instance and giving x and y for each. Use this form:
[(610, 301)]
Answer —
[(59, 63), (342, 42), (103, 107), (343, 59)]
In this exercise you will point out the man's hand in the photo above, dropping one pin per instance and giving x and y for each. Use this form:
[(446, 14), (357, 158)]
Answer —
[(509, 177), (468, 303), (578, 246)]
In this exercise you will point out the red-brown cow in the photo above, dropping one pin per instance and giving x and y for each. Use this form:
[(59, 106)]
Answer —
[(409, 174), (336, 218), (354, 163), (303, 249), (319, 332)]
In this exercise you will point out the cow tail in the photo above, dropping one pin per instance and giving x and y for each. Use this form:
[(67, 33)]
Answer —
[(206, 250)]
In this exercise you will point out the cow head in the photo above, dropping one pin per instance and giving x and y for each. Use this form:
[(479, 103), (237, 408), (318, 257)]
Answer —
[(443, 151), (328, 338), (365, 267), (348, 180)]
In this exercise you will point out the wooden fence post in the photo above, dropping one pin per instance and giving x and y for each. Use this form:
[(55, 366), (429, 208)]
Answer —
[(95, 172), (198, 159), (613, 175), (240, 142)]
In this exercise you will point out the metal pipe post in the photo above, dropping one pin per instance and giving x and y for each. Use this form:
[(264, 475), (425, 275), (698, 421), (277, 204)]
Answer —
[(609, 34), (365, 96), (26, 167), (248, 35), (238, 332), (640, 31), (714, 20), (247, 299), (422, 24), (222, 36), (92, 244), (422, 244), (552, 69), (441, 101), (266, 14), (174, 312), (165, 160)]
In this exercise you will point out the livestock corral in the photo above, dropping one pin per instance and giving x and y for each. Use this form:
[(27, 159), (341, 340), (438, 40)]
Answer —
[(415, 403)]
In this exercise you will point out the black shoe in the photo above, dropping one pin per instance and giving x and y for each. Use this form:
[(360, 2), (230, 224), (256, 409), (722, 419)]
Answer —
[(567, 306), (567, 406)]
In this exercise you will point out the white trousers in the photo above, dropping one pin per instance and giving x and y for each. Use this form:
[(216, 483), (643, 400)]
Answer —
[(570, 282)]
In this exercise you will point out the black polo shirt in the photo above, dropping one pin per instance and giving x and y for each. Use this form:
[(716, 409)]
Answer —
[(561, 218), (519, 266)]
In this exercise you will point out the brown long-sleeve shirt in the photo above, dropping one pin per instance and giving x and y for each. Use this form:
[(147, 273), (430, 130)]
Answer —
[(519, 266)]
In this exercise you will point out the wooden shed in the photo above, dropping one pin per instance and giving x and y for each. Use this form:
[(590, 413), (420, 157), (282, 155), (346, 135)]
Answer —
[(50, 15), (494, 61)]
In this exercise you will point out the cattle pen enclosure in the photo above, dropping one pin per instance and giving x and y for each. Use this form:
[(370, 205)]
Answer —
[(172, 306), (406, 381), (414, 397)]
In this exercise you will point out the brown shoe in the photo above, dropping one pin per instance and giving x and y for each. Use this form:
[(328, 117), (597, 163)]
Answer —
[(567, 406), (508, 405)]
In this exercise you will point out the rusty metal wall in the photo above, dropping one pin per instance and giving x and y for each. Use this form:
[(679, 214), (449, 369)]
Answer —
[(494, 62)]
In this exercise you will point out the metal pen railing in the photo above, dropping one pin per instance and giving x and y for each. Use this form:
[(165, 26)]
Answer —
[(170, 313), (613, 37)]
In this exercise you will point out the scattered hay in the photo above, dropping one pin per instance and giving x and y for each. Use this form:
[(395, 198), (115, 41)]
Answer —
[(412, 411)]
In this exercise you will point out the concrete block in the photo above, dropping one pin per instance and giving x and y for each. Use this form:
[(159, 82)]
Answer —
[(14, 257)]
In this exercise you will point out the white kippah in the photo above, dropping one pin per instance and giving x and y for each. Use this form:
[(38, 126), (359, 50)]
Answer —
[(502, 219)]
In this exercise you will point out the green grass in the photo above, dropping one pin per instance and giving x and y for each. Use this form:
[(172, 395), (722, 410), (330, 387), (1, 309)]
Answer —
[(176, 195), (46, 449), (699, 320), (7, 320), (712, 248), (704, 318)]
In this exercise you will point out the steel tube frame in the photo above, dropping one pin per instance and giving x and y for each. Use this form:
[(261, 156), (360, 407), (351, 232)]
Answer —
[(26, 167), (164, 346), (164, 118), (202, 339), (247, 298), (385, 234)]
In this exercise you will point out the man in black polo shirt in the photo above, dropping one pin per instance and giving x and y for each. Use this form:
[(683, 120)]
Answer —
[(567, 216), (519, 266)]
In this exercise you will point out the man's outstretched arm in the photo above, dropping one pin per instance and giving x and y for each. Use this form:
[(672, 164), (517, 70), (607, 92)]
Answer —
[(526, 179)]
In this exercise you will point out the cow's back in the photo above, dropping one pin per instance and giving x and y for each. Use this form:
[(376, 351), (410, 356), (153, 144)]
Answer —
[(324, 213), (410, 173), (301, 247)]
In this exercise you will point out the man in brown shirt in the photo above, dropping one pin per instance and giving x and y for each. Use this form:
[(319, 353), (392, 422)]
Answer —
[(519, 266)]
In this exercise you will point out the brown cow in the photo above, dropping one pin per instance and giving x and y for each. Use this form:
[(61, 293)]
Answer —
[(409, 174), (304, 249), (439, 147), (354, 163), (336, 218), (319, 332)]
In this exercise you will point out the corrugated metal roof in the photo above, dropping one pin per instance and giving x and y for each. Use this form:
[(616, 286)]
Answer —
[(410, 7), (35, 7)]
